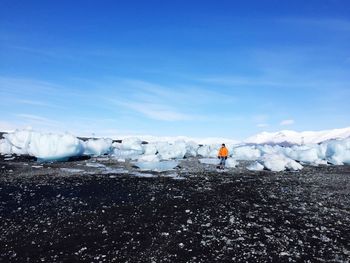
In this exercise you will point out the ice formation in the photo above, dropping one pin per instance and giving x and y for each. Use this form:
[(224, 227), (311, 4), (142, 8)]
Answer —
[(44, 146), (157, 166), (164, 155), (256, 166), (97, 147)]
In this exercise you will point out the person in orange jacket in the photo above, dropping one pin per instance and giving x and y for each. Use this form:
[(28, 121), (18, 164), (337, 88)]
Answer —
[(222, 155)]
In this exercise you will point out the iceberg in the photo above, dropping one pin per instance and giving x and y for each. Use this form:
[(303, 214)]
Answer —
[(97, 147), (338, 152), (278, 163), (157, 155), (44, 146), (256, 166), (157, 166)]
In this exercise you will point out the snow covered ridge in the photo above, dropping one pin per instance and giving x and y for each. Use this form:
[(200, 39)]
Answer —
[(293, 137), (155, 155)]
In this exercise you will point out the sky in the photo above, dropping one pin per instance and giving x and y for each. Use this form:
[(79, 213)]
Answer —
[(174, 68)]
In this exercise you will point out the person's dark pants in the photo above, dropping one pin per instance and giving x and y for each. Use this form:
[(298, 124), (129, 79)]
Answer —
[(222, 162)]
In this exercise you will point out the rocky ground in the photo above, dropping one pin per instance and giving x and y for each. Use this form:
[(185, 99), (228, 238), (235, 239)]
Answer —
[(100, 210)]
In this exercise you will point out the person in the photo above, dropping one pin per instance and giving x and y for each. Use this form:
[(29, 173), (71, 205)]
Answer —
[(222, 155)]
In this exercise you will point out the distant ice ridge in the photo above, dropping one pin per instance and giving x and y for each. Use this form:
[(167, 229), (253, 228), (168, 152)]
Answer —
[(293, 137), (154, 155)]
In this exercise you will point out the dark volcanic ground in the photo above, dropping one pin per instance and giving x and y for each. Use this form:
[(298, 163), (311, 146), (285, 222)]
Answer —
[(49, 214)]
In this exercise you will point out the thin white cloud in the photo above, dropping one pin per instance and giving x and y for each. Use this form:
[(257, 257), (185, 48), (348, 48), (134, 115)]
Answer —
[(287, 122), (33, 102), (24, 87), (334, 24), (260, 118), (262, 125), (167, 103), (158, 112), (38, 121), (32, 117), (190, 94), (241, 81)]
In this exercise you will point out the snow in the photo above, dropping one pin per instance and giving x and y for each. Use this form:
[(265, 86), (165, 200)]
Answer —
[(162, 155), (300, 138)]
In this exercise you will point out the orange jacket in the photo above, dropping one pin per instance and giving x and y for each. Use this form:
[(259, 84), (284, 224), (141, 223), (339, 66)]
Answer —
[(223, 152)]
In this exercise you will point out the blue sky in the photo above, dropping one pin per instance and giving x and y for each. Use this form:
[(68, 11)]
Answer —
[(195, 68)]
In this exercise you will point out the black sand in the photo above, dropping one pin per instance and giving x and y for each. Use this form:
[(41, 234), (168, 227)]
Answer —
[(49, 215)]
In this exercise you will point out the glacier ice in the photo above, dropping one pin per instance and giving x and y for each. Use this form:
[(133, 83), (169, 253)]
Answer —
[(156, 166), (164, 155)]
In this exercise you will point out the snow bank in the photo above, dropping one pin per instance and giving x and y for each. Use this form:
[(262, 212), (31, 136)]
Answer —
[(299, 138)]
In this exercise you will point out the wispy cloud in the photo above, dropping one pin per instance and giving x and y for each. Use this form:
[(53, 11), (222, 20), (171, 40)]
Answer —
[(260, 118), (32, 117), (39, 121), (168, 103), (335, 24), (262, 125), (37, 51), (159, 112), (240, 81), (190, 94), (287, 122), (20, 85), (33, 102)]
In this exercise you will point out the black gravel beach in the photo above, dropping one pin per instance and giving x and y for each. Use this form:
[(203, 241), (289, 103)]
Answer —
[(79, 212)]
